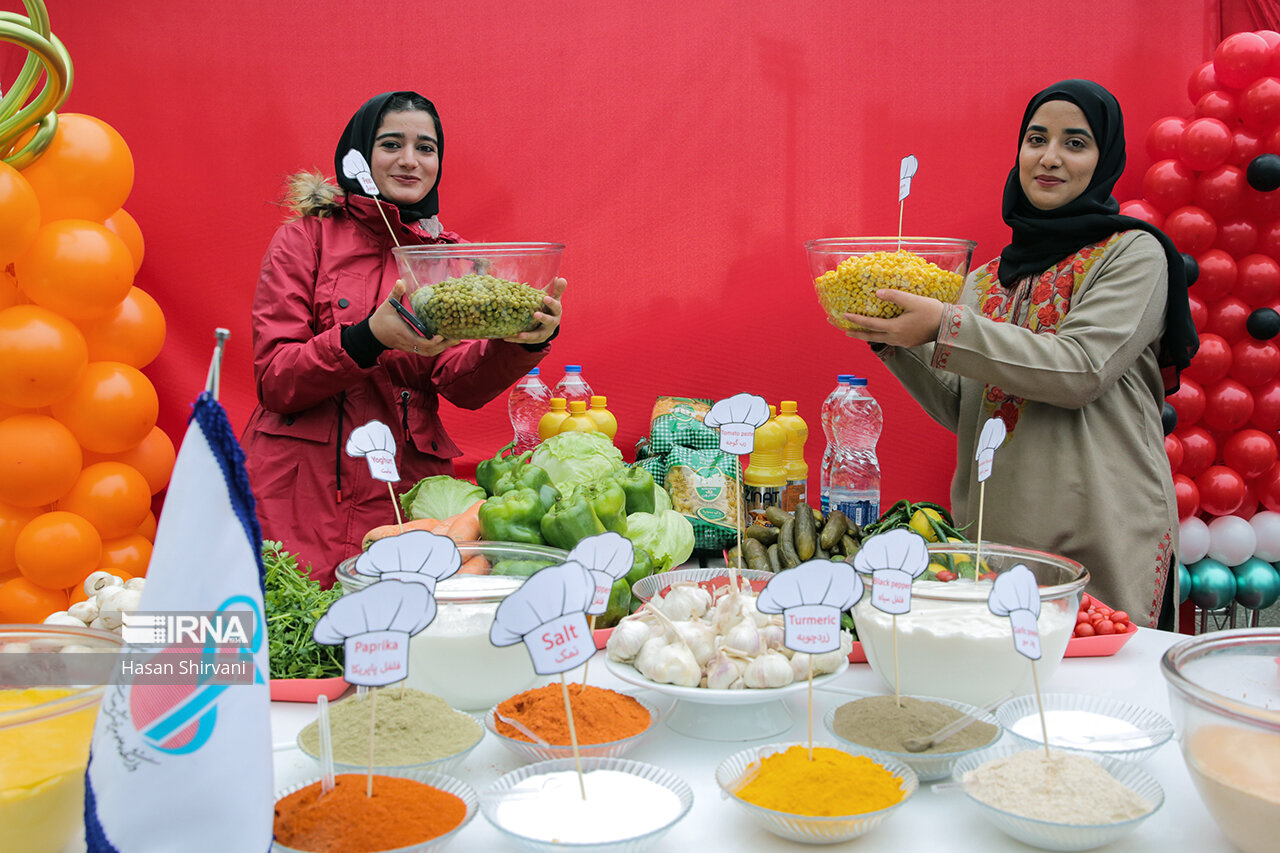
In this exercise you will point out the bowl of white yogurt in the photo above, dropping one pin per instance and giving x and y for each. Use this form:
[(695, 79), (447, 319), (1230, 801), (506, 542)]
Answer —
[(453, 657), (950, 644)]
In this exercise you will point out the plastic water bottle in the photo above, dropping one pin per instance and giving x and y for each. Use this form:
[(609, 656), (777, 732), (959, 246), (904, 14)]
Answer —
[(855, 470), (827, 416), (572, 386), (529, 401)]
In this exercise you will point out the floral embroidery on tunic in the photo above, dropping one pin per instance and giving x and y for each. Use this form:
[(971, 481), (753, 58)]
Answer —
[(1039, 303)]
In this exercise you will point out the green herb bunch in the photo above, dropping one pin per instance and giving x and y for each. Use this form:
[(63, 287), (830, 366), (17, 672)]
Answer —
[(294, 603)]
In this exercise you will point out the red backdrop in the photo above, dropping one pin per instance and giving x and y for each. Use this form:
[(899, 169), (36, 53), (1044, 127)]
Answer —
[(682, 151)]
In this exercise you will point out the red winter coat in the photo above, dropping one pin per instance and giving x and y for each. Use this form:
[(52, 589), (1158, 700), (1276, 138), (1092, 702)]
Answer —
[(321, 274)]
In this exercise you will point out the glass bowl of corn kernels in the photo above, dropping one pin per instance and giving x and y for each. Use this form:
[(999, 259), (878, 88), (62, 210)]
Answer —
[(847, 272)]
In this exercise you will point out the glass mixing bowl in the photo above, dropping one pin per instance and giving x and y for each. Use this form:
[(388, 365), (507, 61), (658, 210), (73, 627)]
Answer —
[(452, 657), (952, 646), (474, 291), (44, 735), (848, 270), (1224, 692)]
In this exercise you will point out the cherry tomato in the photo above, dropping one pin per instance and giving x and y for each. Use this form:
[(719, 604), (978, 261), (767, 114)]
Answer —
[(1104, 626), (1118, 616), (1084, 629), (1082, 616), (946, 575), (1086, 601)]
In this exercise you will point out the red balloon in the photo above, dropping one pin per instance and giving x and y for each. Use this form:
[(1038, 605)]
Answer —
[(1191, 228), (1249, 506), (1218, 104), (1251, 452), (1163, 135), (1228, 406), (1259, 104), (1188, 402), (1267, 488), (1199, 450), (1218, 272), (1205, 144), (1188, 495), (1241, 58), (1245, 145), (1203, 79), (1272, 38), (1173, 449), (1266, 406), (1237, 237), (1258, 280), (1227, 317), (1199, 313), (1254, 362), (1221, 490), (1219, 190), (1259, 206), (1144, 210), (1269, 239), (1212, 361), (1168, 185)]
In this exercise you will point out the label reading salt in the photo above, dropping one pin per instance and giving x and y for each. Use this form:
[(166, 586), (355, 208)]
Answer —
[(548, 614), (561, 644), (377, 658)]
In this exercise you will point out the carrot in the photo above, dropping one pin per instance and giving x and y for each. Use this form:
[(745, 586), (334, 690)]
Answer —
[(384, 530), (465, 526), (477, 565)]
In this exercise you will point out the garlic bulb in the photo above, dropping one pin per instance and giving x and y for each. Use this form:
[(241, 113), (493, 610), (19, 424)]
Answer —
[(744, 637), (671, 664), (770, 669), (685, 601), (627, 638), (724, 671), (649, 651), (773, 636), (700, 638)]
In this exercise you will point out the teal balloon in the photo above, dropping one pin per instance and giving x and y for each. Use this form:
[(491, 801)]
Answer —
[(1184, 583), (1257, 583), (1213, 586)]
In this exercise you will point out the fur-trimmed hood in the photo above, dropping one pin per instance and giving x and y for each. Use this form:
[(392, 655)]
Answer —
[(311, 194)]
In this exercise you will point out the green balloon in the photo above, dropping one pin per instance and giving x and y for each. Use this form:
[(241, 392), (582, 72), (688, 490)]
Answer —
[(1213, 586), (1184, 583), (1257, 584)]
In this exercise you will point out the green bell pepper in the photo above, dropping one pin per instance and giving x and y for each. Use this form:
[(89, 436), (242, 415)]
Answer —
[(521, 568), (570, 521), (637, 484), (529, 476), (512, 517), (619, 605), (609, 502), (641, 565), (489, 470)]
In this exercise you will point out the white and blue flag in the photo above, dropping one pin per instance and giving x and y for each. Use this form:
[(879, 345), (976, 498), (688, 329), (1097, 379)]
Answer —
[(184, 762)]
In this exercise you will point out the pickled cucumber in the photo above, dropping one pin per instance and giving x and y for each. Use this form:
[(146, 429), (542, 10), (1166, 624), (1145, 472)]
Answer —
[(474, 306)]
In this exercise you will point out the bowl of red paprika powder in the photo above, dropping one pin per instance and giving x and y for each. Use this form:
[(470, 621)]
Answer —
[(608, 724)]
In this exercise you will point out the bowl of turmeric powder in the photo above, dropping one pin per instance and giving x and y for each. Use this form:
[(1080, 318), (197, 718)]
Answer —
[(823, 793), (606, 723)]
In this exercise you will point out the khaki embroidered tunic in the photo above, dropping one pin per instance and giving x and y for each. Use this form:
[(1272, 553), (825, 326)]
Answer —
[(1068, 360)]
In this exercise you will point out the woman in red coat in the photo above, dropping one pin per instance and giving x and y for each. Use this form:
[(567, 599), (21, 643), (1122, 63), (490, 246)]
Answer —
[(331, 353)]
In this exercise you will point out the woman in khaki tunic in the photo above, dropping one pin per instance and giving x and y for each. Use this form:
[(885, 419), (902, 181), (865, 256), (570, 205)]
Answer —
[(1073, 336)]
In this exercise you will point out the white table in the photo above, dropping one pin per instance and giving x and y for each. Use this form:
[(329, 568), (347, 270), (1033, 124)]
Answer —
[(923, 823)]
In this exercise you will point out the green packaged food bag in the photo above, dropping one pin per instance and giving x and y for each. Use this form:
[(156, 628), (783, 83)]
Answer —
[(704, 487)]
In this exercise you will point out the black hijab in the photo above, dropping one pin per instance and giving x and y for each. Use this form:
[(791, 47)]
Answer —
[(1041, 238), (359, 135)]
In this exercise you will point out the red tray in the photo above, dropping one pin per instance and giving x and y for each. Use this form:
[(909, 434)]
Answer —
[(307, 689), (1099, 645)]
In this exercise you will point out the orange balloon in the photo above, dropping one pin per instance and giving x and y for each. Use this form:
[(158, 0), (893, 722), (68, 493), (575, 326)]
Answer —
[(147, 529), (113, 497), (129, 554), (23, 601), (42, 356), (12, 520), (112, 408), (10, 293), (153, 457), (85, 173), (39, 460), (57, 549), (78, 269), (132, 332), (124, 226), (19, 214), (5, 577)]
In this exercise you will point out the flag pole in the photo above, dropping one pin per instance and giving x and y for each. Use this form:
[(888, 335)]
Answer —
[(215, 365)]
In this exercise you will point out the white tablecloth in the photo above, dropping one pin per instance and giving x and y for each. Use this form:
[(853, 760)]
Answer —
[(928, 821)]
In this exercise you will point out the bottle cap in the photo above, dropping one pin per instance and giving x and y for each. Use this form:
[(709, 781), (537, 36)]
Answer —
[(533, 372), (558, 403), (858, 381), (577, 406), (573, 368), (598, 400), (788, 407)]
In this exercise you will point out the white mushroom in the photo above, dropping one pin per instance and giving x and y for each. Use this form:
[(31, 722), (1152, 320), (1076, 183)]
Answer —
[(99, 580), (86, 611), (62, 617)]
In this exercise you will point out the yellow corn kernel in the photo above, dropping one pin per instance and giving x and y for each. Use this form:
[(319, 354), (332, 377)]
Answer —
[(850, 287)]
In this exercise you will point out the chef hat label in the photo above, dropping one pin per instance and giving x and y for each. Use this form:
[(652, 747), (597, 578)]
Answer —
[(377, 445), (561, 644), (893, 559), (737, 438), (737, 418), (1016, 594), (891, 591), (1026, 634), (382, 466), (376, 658), (600, 601), (812, 628), (906, 171), (992, 436)]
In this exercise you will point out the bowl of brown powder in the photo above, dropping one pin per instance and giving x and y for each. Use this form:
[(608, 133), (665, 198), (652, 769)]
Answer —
[(879, 725)]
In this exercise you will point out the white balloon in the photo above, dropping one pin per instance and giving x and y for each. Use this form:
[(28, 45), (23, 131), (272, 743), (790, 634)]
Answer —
[(1266, 525), (1193, 541), (1231, 540)]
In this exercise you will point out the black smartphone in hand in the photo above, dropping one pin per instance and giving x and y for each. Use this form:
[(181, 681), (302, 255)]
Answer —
[(409, 317)]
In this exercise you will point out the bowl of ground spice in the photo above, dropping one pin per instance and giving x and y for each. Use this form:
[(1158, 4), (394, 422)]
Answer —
[(822, 795), (1058, 800), (880, 725), (413, 813), (412, 732), (606, 722)]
